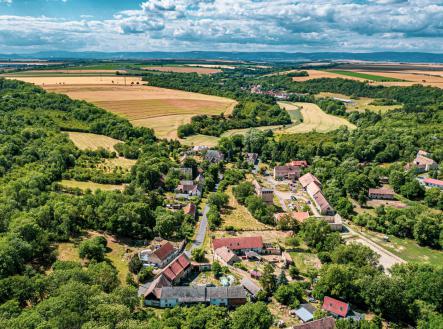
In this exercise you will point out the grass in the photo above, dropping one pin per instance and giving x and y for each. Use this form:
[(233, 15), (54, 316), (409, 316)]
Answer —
[(200, 140), (366, 76), (91, 185), (407, 249), (304, 260), (238, 216), (87, 141), (361, 104)]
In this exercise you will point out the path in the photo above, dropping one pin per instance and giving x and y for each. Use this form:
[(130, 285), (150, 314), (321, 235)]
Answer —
[(387, 258)]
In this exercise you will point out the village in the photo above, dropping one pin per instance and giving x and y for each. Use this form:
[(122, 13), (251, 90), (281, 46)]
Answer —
[(231, 262)]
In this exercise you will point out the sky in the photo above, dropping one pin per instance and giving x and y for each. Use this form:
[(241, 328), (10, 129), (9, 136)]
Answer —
[(221, 25)]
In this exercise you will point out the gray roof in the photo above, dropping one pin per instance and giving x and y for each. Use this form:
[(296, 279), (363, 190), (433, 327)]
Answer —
[(202, 294), (250, 286), (305, 312), (226, 292)]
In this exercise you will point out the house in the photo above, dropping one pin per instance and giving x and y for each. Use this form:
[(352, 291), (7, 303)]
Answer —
[(307, 179), (335, 222), (151, 291), (319, 199), (160, 256), (188, 187), (381, 193), (251, 287), (432, 182), (214, 156), (240, 245), (287, 172), (336, 307), (226, 256), (190, 210), (298, 163), (177, 269), (423, 153), (169, 296), (423, 163), (252, 255), (305, 312), (325, 323), (252, 158), (200, 148), (267, 195)]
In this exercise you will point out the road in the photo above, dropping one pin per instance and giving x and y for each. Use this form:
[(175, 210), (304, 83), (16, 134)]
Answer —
[(387, 258)]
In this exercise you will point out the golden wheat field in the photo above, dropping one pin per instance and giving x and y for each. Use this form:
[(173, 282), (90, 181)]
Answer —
[(315, 74), (183, 69), (71, 80)]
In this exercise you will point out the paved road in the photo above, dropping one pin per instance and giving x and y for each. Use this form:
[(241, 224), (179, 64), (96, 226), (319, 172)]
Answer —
[(387, 258)]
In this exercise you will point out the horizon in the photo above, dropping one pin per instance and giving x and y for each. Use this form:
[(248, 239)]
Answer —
[(356, 26)]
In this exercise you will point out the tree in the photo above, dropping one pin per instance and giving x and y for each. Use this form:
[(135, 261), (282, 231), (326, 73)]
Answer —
[(434, 198), (412, 189), (217, 269), (268, 279), (282, 279), (252, 316), (135, 264), (198, 254), (354, 254), (242, 191), (315, 232), (145, 274), (93, 249), (290, 294), (427, 231), (294, 272), (218, 199)]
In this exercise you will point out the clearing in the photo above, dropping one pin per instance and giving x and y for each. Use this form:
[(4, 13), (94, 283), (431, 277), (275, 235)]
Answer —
[(158, 108), (238, 216), (183, 69), (361, 103), (367, 76), (314, 119), (88, 141), (118, 252), (80, 80), (91, 185)]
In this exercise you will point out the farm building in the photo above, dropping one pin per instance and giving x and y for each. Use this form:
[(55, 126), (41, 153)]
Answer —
[(226, 256), (325, 323), (320, 201), (335, 222), (423, 164), (214, 156), (199, 149), (305, 312), (169, 296), (381, 193), (189, 188), (251, 287), (287, 172), (432, 182), (178, 269), (307, 179), (267, 195), (240, 245), (335, 307), (160, 256)]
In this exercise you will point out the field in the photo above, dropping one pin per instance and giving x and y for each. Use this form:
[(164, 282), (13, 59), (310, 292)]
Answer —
[(366, 76), (76, 80), (91, 185), (158, 108), (117, 254), (86, 141), (183, 69), (316, 74), (314, 119), (427, 78), (209, 141), (360, 104), (239, 217)]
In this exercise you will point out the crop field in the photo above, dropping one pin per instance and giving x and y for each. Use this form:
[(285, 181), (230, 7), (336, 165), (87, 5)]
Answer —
[(314, 119), (183, 69), (316, 74), (65, 80), (408, 78), (91, 185), (360, 104), (367, 76), (87, 141), (158, 108)]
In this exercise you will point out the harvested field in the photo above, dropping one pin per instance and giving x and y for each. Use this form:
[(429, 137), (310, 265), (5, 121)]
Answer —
[(367, 76), (213, 66), (360, 104), (91, 186), (316, 74), (426, 78), (314, 119), (209, 141), (72, 72), (183, 69), (158, 108), (71, 80), (87, 141)]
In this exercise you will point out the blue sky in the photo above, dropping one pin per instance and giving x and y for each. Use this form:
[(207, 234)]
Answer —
[(227, 25)]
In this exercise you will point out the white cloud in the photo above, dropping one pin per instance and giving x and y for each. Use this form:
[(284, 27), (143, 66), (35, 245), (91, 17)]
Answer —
[(243, 25)]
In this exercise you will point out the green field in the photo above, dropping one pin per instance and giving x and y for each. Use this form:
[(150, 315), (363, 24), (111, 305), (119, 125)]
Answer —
[(372, 77)]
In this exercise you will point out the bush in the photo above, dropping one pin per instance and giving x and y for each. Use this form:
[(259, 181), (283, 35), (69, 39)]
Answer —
[(289, 294), (135, 264), (145, 274), (198, 254), (93, 249), (294, 272)]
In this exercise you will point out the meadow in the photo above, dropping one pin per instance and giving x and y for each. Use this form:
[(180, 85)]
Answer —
[(87, 141), (361, 103), (367, 76)]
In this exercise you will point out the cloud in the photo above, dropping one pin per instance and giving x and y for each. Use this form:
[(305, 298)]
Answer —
[(7, 2), (241, 25)]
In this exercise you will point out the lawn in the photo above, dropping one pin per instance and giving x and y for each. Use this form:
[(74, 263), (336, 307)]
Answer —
[(366, 76), (238, 216), (304, 260)]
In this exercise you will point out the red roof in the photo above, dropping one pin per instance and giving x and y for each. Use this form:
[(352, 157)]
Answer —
[(433, 181), (335, 306), (164, 251), (298, 163), (325, 323), (252, 242), (383, 190), (174, 269), (189, 209)]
